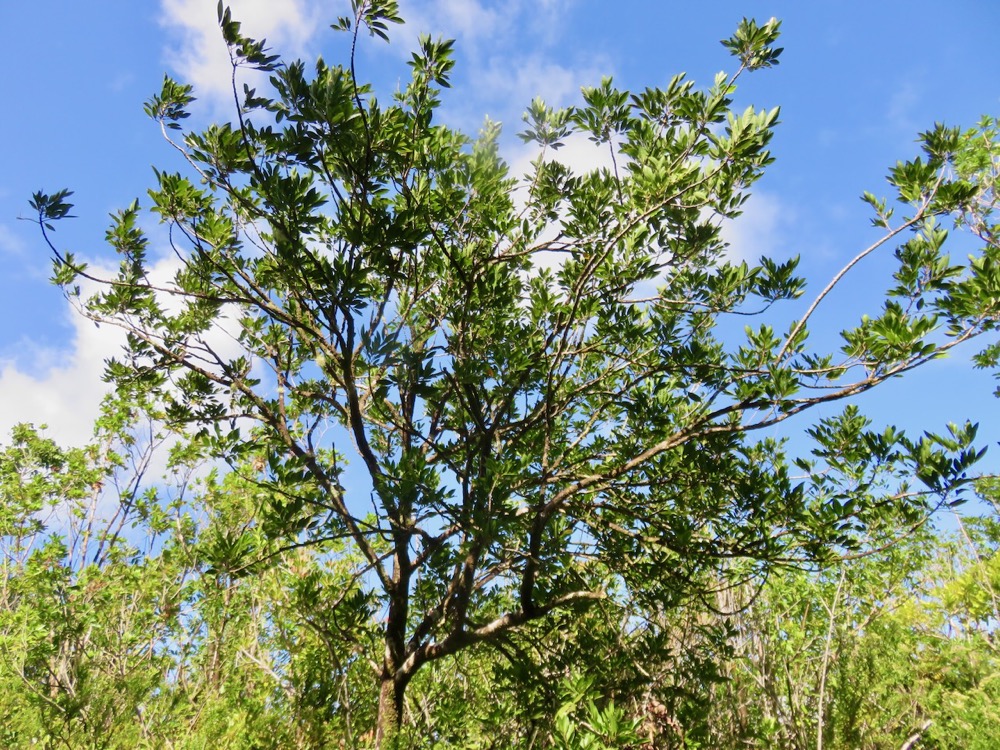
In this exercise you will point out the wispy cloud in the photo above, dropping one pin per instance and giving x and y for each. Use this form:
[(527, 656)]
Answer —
[(458, 19), (121, 81), (900, 110), (10, 243), (487, 25), (520, 81)]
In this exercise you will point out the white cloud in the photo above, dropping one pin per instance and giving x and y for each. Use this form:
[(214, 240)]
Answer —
[(63, 388), (199, 55), (67, 391), (760, 230)]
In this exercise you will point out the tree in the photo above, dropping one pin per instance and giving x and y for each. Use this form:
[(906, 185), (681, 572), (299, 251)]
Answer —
[(527, 370)]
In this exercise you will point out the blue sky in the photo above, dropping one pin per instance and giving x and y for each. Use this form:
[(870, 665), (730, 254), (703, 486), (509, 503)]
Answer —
[(856, 83)]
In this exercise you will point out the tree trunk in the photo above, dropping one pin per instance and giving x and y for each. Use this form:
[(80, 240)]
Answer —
[(390, 710), (393, 680)]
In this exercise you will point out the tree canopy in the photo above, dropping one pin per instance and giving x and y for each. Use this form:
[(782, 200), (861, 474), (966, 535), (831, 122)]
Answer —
[(475, 402)]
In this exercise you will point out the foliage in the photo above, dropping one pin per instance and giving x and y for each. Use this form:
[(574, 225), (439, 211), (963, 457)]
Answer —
[(83, 617), (870, 652), (118, 629)]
